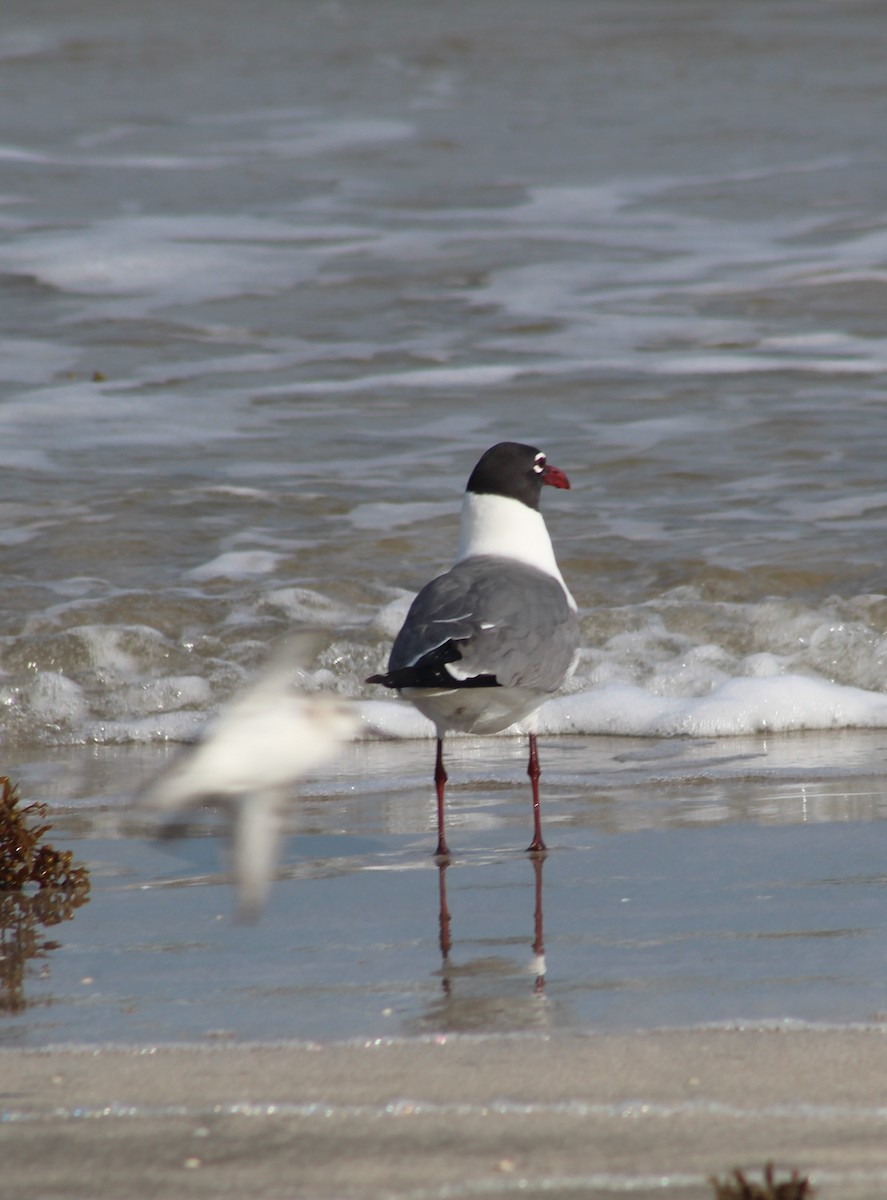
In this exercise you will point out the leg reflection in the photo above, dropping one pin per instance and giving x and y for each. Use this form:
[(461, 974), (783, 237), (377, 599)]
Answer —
[(538, 943), (537, 964), (444, 920)]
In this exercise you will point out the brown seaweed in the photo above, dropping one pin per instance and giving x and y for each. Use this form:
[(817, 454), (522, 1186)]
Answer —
[(737, 1186), (39, 887)]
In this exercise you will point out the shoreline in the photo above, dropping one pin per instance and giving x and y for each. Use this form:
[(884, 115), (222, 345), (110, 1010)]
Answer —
[(453, 1115)]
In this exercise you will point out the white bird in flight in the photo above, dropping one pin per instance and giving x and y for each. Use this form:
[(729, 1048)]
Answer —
[(249, 756)]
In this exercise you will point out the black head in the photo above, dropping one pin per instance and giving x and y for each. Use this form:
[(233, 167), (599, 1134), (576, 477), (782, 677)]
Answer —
[(516, 471)]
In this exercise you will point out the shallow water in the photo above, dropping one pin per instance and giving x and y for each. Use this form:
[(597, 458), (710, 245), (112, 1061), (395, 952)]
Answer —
[(687, 883), (268, 287)]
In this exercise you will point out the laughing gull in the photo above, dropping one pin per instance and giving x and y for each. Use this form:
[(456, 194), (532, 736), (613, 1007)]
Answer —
[(249, 756), (486, 643)]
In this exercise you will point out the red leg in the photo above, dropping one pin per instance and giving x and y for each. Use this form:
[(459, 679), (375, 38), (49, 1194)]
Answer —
[(440, 781), (537, 846)]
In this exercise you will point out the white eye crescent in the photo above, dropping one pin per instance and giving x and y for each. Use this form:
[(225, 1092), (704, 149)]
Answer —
[(539, 463)]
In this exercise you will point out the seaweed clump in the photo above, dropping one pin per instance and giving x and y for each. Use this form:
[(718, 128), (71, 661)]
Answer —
[(737, 1186), (39, 887)]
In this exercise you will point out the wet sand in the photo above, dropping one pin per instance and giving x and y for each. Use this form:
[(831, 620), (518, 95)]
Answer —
[(456, 1116)]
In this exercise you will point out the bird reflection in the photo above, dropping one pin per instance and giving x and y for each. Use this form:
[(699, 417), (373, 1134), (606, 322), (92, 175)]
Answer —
[(496, 1003), (446, 940), (538, 942)]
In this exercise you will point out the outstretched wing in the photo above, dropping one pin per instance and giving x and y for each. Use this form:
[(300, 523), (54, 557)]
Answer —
[(487, 622)]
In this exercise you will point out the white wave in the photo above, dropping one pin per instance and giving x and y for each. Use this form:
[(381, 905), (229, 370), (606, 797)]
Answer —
[(737, 707), (237, 564), (27, 360), (482, 375), (28, 43), (776, 704), (171, 260), (167, 694), (17, 458), (754, 363), (19, 154), (158, 727), (53, 699), (385, 515), (93, 414), (303, 606), (294, 132), (174, 708), (303, 138)]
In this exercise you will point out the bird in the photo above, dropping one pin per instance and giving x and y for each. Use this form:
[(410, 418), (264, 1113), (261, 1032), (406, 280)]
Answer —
[(486, 643), (263, 740)]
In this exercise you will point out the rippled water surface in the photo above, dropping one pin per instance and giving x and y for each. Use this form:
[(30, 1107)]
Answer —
[(270, 283)]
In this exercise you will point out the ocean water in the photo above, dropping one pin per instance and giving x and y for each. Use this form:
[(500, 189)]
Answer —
[(270, 282)]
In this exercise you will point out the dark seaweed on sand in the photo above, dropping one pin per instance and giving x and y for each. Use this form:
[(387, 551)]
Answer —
[(737, 1186)]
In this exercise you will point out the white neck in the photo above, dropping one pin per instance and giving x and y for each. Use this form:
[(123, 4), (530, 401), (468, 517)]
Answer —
[(506, 528)]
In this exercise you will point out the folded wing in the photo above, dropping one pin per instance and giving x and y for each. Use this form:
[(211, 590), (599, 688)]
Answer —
[(487, 622)]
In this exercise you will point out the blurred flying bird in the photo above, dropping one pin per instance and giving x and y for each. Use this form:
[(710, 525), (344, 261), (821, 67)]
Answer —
[(249, 756)]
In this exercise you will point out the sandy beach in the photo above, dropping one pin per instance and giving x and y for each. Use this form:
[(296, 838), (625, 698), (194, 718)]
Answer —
[(647, 1113)]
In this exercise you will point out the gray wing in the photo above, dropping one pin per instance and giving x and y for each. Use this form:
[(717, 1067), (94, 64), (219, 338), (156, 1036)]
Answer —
[(487, 621)]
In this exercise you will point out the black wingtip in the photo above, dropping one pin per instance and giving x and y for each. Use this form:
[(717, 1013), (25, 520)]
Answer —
[(430, 677)]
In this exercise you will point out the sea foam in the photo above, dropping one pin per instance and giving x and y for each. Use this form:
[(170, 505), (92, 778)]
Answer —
[(773, 704)]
